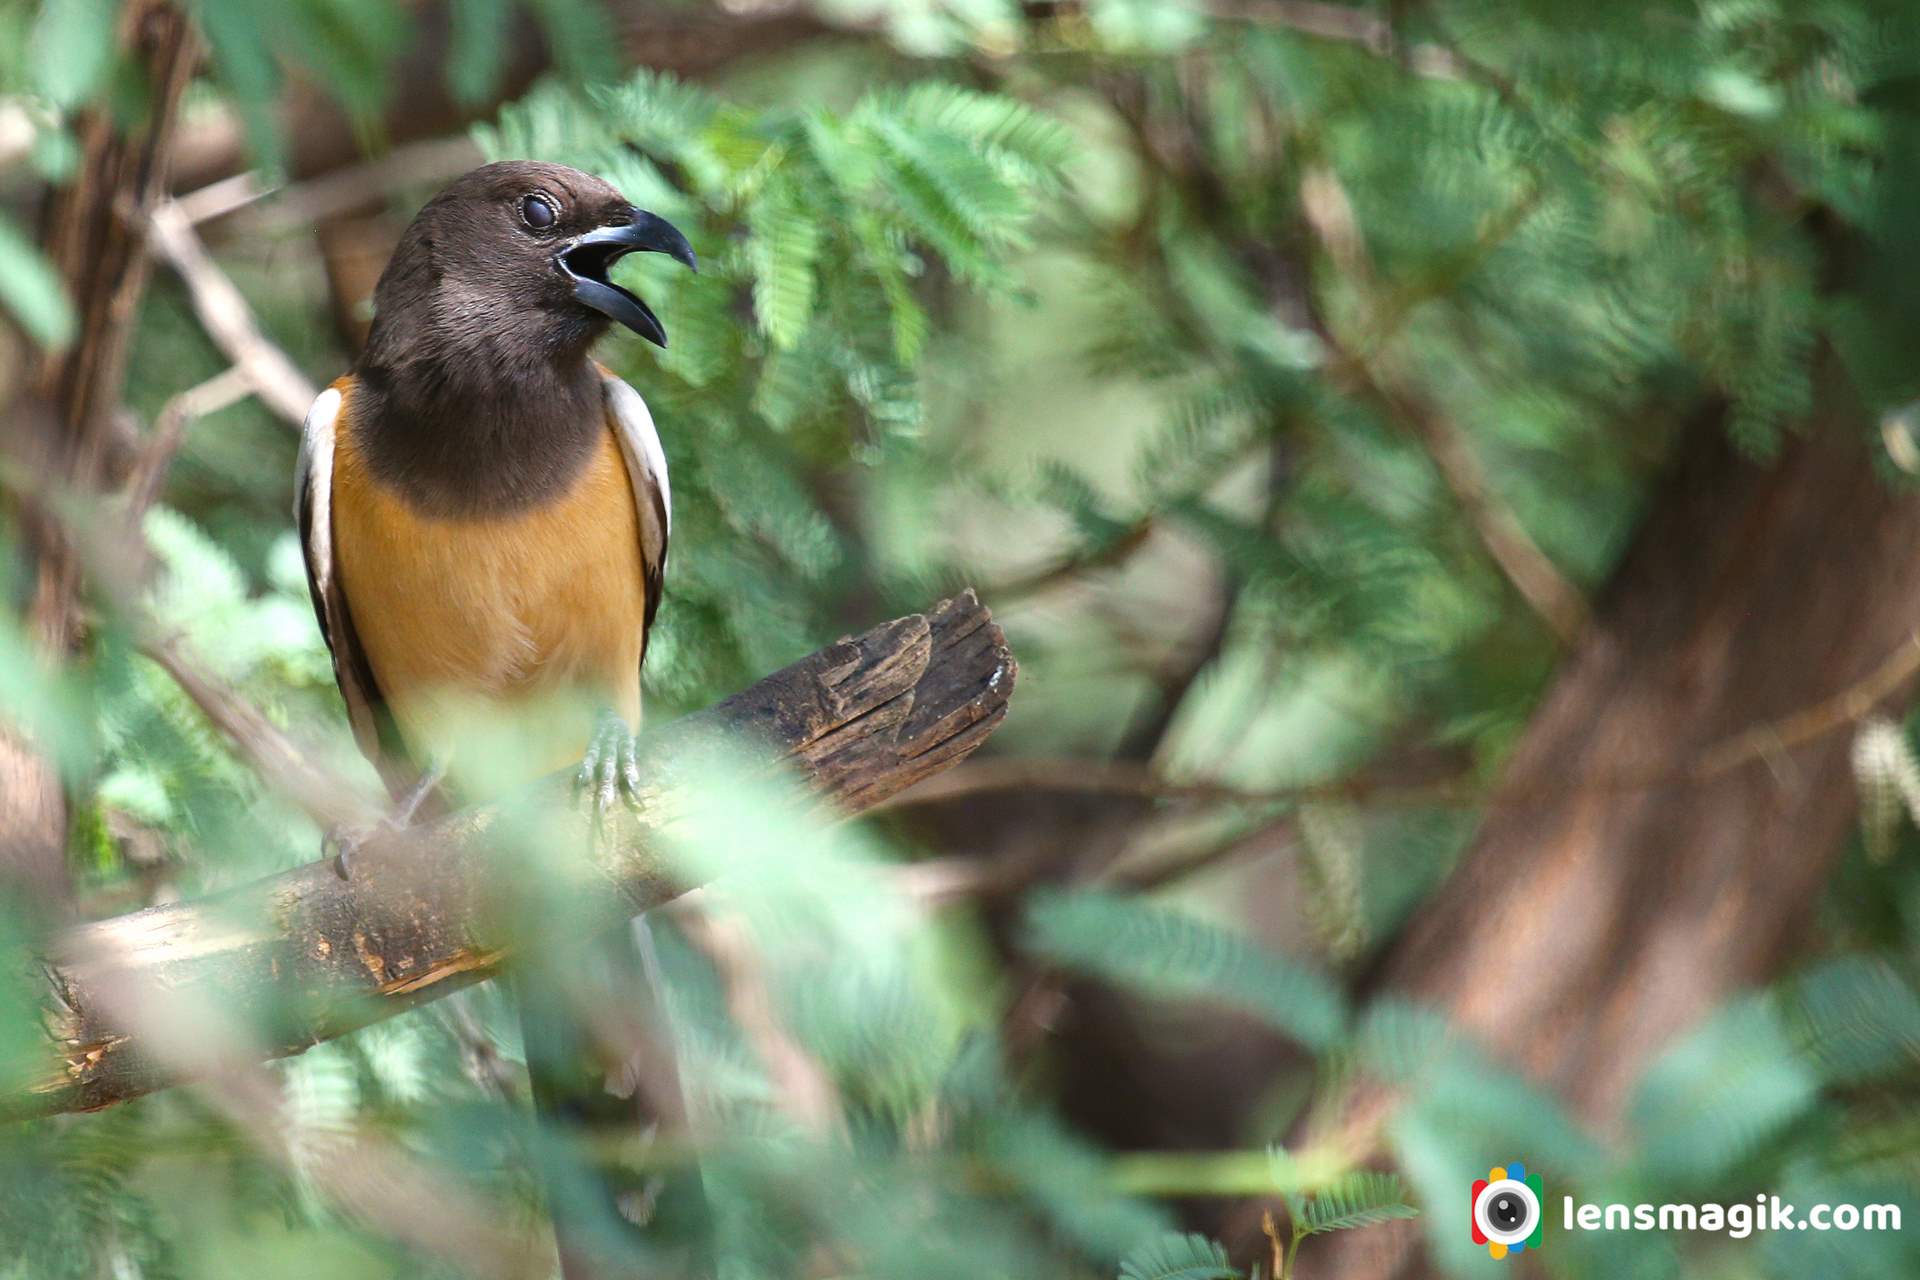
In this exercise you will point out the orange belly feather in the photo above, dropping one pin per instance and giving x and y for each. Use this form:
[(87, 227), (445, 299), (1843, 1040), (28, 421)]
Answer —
[(533, 621)]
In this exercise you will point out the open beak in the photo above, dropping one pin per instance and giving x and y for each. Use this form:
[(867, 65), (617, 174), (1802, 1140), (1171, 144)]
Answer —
[(587, 259)]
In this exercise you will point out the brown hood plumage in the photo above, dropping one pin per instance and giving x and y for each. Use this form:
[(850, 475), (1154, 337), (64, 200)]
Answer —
[(476, 391)]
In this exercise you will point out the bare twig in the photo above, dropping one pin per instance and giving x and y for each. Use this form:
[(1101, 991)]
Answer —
[(941, 882), (802, 1089), (1844, 709), (1329, 215), (1346, 25), (62, 417), (17, 132), (1275, 835), (170, 429), (218, 199), (370, 1177), (117, 559), (327, 798), (415, 164), (228, 319), (1754, 745), (1072, 566), (481, 1058), (1539, 581)]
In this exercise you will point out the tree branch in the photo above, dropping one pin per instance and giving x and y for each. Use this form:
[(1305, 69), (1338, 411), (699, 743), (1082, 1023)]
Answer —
[(1345, 25), (1329, 215), (227, 318), (1758, 743), (150, 466), (61, 420), (324, 796), (425, 912)]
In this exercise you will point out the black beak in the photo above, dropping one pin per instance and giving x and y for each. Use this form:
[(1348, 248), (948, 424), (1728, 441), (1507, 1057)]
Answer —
[(586, 259)]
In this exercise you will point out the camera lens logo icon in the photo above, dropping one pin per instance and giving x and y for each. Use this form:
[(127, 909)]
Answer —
[(1506, 1210)]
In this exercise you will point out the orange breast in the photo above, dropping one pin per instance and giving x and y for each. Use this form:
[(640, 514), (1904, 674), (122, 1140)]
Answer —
[(513, 632)]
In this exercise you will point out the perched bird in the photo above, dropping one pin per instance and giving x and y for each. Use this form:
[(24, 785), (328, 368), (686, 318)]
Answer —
[(485, 512)]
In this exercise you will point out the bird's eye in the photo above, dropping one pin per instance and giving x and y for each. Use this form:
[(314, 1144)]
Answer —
[(537, 212)]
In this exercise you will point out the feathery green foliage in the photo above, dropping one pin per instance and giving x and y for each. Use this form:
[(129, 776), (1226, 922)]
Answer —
[(1170, 954), (1357, 1200), (1179, 1257)]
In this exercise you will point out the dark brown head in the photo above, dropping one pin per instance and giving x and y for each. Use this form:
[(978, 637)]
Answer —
[(510, 263), (475, 392)]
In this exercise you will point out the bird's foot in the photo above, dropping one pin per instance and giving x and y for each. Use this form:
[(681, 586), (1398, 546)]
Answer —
[(343, 842), (610, 770)]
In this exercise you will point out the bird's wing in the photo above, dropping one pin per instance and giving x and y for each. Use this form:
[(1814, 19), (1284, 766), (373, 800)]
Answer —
[(313, 510), (647, 470)]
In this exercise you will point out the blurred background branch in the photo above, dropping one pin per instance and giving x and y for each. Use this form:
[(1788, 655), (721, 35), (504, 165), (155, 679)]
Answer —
[(60, 414)]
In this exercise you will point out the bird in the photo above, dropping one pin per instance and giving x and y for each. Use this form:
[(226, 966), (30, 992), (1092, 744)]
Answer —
[(484, 511)]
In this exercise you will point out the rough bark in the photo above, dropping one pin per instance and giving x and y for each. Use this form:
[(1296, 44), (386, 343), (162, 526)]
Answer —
[(1585, 931), (307, 955)]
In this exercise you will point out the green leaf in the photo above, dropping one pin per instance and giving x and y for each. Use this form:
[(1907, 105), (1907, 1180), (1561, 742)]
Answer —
[(658, 111), (784, 246), (582, 37), (1357, 1200), (1069, 1181), (31, 290), (1061, 486), (1131, 941), (995, 123), (473, 60), (71, 49), (1714, 1097), (793, 385), (891, 264), (1179, 1257), (349, 44), (247, 68), (136, 791), (1857, 1019)]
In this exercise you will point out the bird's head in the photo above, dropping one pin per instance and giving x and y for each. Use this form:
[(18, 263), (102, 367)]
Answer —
[(516, 255)]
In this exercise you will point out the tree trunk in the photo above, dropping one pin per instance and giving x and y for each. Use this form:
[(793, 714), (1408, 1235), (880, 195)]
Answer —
[(1586, 929)]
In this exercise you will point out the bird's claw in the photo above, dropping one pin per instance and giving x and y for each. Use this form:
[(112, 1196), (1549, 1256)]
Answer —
[(610, 770), (343, 841)]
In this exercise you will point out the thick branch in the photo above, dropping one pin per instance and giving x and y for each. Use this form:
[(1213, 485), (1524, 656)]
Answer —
[(311, 955)]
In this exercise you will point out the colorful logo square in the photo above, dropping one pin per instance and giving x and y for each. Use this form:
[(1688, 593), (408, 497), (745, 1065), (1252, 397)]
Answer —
[(1507, 1215)]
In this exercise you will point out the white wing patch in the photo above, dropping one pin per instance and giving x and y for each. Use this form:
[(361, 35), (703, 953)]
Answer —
[(638, 436), (647, 471), (313, 495), (313, 511)]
